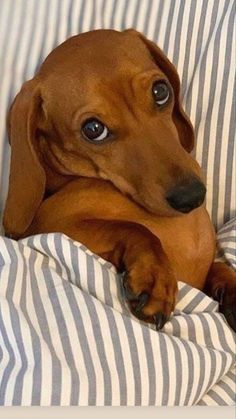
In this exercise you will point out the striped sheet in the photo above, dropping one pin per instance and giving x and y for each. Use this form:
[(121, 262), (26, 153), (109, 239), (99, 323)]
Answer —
[(67, 338), (197, 35), (226, 239)]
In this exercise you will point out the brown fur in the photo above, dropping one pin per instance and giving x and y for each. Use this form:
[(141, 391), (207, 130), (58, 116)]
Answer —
[(111, 196)]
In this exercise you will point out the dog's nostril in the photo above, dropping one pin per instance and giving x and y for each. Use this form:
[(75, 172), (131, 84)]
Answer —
[(187, 196)]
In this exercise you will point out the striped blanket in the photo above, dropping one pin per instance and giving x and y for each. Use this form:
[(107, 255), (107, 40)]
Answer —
[(66, 337)]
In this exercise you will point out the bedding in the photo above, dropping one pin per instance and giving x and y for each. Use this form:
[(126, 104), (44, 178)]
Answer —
[(66, 337)]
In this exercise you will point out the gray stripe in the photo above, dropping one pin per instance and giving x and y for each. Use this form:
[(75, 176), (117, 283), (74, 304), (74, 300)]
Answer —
[(71, 11), (106, 287), (178, 34), (230, 151), (9, 293), (187, 59), (11, 362), (36, 346), (100, 349), (60, 253), (80, 328), (16, 327), (189, 353), (102, 13), (189, 308), (158, 20), (147, 17), (45, 28), (75, 264), (196, 58), (228, 390), (227, 239), (221, 113), (43, 324), (168, 27), (202, 368), (151, 366), (81, 16), (228, 211), (6, 37), (202, 79), (114, 10), (165, 369), (61, 324), (179, 369), (232, 376), (183, 292), (217, 398), (91, 275), (118, 357), (92, 18), (134, 359)]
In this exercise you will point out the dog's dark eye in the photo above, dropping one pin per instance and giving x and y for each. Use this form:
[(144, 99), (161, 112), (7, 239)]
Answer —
[(160, 92), (94, 130)]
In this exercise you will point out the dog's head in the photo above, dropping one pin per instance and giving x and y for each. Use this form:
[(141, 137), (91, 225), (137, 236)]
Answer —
[(104, 104)]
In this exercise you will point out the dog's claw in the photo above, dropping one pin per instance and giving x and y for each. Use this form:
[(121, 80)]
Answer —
[(160, 319), (230, 314), (128, 292), (219, 295), (142, 300)]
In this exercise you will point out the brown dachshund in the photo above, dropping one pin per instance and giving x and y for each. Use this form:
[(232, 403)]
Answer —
[(101, 152)]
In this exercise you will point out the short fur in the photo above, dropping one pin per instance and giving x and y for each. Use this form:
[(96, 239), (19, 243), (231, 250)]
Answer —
[(111, 196)]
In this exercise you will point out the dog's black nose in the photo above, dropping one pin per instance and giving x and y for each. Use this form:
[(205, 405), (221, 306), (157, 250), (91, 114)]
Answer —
[(187, 196)]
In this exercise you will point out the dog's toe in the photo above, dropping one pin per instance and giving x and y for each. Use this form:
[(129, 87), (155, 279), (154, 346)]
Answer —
[(160, 319)]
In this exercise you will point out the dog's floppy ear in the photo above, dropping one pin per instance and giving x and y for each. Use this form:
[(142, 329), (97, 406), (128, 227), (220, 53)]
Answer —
[(181, 120), (27, 176)]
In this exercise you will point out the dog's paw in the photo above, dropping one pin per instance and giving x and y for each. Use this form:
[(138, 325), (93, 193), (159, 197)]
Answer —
[(150, 289), (225, 294)]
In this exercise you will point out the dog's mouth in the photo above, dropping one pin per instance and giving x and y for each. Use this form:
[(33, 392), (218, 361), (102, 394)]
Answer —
[(181, 199)]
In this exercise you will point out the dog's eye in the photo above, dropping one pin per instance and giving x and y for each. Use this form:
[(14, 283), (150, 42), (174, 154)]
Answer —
[(94, 130), (161, 92)]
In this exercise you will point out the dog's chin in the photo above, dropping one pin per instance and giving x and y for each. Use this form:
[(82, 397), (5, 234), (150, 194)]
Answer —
[(160, 209)]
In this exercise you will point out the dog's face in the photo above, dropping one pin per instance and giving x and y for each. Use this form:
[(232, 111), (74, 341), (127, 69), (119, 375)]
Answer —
[(104, 104)]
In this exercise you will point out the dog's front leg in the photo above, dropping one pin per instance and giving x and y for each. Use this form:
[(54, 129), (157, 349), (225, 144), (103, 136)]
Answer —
[(149, 283), (221, 285)]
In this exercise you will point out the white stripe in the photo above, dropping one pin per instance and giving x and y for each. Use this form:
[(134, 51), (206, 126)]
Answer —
[(185, 372), (109, 351), (193, 45), (142, 358), (17, 358), (25, 331), (48, 40), (125, 348), (177, 6), (77, 6), (87, 321), (152, 19), (98, 23), (87, 13), (141, 15), (74, 343), (64, 10), (164, 19), (46, 360), (172, 371)]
